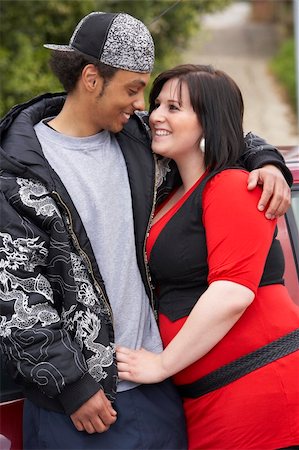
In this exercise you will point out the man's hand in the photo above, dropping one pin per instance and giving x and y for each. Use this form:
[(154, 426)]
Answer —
[(96, 415), (276, 195)]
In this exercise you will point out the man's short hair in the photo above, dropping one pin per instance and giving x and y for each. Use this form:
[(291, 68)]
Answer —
[(68, 66)]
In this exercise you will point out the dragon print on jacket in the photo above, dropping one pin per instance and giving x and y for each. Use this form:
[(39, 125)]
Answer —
[(39, 267)]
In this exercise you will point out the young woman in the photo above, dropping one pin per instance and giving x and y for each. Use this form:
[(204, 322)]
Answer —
[(229, 328)]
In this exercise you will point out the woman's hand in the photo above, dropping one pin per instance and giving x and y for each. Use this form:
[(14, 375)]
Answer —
[(140, 366), (276, 195)]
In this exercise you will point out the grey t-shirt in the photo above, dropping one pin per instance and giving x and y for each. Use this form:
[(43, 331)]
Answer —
[(94, 173)]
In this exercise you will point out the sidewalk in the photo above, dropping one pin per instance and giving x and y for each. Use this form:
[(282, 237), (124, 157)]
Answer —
[(242, 48)]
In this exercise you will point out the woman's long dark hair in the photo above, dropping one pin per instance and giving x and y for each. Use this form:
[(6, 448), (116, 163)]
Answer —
[(218, 104)]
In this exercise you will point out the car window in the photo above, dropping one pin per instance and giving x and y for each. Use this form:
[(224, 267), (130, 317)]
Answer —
[(288, 235), (295, 206)]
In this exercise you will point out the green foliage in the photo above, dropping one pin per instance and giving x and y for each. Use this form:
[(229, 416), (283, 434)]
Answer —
[(283, 67), (27, 24)]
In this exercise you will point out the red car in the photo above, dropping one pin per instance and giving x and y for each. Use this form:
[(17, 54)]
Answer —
[(288, 226), (11, 403)]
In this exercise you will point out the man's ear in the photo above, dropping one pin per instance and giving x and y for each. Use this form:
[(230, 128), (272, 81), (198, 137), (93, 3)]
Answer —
[(91, 78)]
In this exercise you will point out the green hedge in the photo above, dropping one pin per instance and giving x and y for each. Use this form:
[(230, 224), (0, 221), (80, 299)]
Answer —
[(283, 67), (26, 25)]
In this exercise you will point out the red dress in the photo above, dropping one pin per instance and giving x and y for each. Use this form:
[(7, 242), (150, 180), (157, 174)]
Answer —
[(260, 410)]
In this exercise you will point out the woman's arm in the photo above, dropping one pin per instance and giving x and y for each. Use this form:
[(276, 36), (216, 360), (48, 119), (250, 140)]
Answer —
[(215, 313), (238, 241)]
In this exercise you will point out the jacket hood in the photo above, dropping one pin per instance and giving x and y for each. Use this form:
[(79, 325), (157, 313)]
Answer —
[(20, 149)]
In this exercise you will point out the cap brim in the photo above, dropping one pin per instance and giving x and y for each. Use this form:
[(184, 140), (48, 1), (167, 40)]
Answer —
[(61, 48)]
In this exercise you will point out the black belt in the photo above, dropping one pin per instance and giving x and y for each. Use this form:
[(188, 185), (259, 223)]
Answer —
[(242, 366)]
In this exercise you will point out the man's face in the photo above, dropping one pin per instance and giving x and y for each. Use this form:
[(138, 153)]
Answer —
[(123, 94)]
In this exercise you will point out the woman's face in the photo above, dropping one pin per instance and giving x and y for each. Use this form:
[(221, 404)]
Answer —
[(176, 130)]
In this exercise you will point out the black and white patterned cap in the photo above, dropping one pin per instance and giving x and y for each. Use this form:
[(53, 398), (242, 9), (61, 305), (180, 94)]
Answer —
[(116, 39)]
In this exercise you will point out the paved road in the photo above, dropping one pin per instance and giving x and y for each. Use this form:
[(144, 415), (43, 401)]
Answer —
[(232, 42)]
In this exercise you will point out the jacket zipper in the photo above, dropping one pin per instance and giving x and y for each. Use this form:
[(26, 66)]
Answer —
[(147, 271), (82, 253), (148, 276)]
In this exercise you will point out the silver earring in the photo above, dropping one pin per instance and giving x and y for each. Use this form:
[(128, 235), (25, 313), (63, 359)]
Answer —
[(202, 145)]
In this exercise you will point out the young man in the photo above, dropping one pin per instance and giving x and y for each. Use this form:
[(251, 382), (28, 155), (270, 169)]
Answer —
[(79, 183)]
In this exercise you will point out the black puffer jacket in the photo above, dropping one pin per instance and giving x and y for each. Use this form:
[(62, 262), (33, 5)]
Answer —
[(56, 321)]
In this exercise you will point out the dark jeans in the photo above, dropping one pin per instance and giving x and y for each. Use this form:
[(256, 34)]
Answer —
[(149, 417)]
